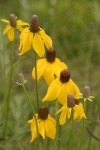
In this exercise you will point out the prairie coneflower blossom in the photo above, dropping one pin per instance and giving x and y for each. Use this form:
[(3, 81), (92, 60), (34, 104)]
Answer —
[(49, 67), (46, 125), (61, 87), (35, 37), (67, 109), (12, 23)]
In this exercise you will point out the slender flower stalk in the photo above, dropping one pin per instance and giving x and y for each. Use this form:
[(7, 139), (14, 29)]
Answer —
[(37, 95), (72, 131), (59, 138), (33, 110), (83, 125), (9, 90)]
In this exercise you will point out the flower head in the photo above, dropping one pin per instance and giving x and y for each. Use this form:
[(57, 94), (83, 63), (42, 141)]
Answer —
[(50, 67), (61, 87), (67, 108), (86, 94), (35, 37), (46, 125), (12, 23)]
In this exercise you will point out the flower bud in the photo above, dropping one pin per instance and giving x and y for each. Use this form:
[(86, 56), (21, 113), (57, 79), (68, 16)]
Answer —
[(86, 92)]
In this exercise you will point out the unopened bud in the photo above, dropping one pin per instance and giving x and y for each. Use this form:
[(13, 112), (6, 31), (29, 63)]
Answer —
[(86, 92)]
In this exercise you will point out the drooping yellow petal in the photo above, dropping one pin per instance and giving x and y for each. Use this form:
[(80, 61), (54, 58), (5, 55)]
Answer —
[(42, 128), (74, 89), (21, 23), (76, 114), (50, 128), (64, 91), (25, 41), (52, 120), (38, 45), (59, 66), (47, 40), (61, 109), (8, 27), (48, 73), (63, 116), (19, 28), (53, 90), (33, 129), (4, 20), (41, 63), (11, 34), (80, 111)]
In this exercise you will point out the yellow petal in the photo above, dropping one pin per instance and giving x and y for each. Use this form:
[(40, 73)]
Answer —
[(47, 40), (49, 72), (11, 34), (52, 120), (74, 89), (59, 66), (21, 23), (4, 20), (50, 128), (64, 91), (53, 90), (8, 27), (42, 129), (61, 109), (80, 111), (63, 116), (25, 41), (33, 129), (19, 28), (38, 45), (41, 63)]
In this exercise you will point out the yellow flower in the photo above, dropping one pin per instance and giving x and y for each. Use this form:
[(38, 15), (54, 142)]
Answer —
[(67, 108), (61, 87), (50, 67), (11, 24), (46, 125), (35, 37)]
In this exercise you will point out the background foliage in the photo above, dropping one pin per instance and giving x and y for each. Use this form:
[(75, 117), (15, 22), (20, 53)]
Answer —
[(74, 26)]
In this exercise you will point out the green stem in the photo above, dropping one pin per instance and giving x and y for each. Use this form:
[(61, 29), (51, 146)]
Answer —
[(72, 131), (59, 138), (33, 110), (83, 126), (37, 95), (9, 91)]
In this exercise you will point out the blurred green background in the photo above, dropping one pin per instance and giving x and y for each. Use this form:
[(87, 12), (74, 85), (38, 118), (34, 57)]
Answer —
[(74, 26)]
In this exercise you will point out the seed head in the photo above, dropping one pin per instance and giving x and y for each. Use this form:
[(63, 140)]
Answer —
[(64, 76), (51, 54), (70, 101), (43, 113)]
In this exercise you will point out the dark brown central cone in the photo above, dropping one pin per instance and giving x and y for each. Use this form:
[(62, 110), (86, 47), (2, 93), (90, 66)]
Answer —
[(64, 76), (43, 113), (13, 20), (70, 101), (51, 54), (34, 24)]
